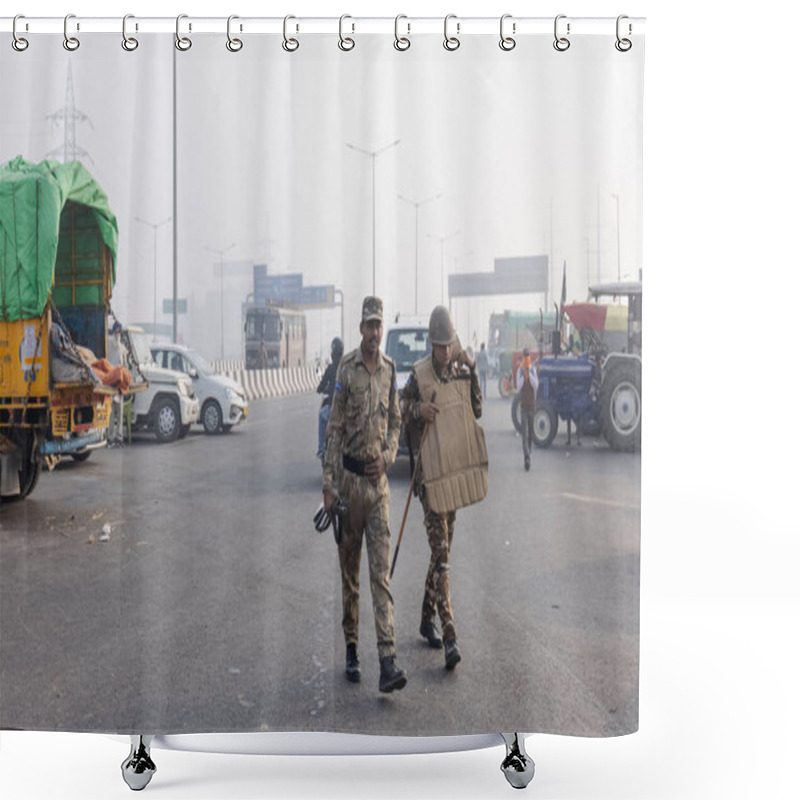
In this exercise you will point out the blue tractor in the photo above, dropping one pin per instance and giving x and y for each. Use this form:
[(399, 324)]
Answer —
[(598, 391)]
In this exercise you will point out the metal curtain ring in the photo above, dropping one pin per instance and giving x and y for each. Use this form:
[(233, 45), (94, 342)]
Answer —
[(18, 43), (401, 42), (70, 42), (561, 43), (182, 42), (623, 45), (451, 42), (345, 42), (234, 45), (289, 44), (128, 42), (507, 42)]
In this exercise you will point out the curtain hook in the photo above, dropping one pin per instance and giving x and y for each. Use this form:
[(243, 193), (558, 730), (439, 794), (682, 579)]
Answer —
[(289, 44), (401, 42), (18, 43), (507, 42), (234, 45), (623, 45), (182, 42), (346, 42), (561, 43), (128, 42), (70, 42), (451, 42)]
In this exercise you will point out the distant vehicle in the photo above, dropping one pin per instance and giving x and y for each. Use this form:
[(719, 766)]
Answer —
[(222, 400), (406, 341), (275, 337), (169, 404)]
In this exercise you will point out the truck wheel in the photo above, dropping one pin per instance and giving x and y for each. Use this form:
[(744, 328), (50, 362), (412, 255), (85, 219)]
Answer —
[(621, 408), (81, 455), (212, 417), (516, 416), (29, 469), (166, 420), (545, 425)]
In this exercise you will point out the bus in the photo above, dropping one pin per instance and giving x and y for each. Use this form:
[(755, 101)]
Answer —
[(275, 337)]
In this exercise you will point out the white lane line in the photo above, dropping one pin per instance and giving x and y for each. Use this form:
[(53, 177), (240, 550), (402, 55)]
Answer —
[(600, 501)]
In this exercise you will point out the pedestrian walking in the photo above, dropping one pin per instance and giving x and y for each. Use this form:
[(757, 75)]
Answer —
[(482, 359), (527, 384), (325, 388), (444, 383), (117, 357), (363, 434)]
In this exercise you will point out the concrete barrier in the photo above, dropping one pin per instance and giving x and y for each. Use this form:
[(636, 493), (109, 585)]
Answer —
[(260, 384)]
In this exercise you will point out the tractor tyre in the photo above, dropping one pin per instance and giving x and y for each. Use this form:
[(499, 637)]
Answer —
[(504, 386), (516, 415), (621, 406), (545, 425)]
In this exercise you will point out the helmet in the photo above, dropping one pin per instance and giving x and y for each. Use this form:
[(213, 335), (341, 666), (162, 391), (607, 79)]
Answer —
[(440, 327), (337, 348)]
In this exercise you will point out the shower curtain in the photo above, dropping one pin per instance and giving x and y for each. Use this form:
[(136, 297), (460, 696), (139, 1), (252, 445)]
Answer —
[(262, 193)]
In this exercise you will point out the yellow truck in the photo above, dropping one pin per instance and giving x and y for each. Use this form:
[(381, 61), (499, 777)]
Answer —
[(58, 242)]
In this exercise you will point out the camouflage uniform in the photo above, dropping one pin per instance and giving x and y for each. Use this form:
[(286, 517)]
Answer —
[(364, 422), (439, 527)]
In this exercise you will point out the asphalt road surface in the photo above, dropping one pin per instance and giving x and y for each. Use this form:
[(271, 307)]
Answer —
[(215, 605)]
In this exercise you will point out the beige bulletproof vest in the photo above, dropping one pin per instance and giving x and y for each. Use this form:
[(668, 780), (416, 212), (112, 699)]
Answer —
[(455, 463)]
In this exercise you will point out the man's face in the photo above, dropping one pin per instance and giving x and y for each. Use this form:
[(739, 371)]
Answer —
[(371, 334), (441, 352)]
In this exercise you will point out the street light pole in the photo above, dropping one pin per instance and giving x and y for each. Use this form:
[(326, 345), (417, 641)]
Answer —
[(220, 253), (417, 204), (155, 226), (442, 240), (373, 154)]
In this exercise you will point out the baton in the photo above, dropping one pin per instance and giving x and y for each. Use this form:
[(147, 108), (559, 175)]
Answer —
[(410, 492)]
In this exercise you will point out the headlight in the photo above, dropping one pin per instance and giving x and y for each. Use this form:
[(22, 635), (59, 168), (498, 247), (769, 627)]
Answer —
[(184, 388)]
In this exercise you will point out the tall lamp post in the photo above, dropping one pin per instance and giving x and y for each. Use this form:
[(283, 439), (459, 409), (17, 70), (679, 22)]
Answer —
[(442, 240), (155, 226), (373, 154), (220, 253), (417, 204)]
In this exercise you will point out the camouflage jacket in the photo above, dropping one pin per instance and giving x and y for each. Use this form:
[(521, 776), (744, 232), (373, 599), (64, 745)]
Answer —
[(365, 414)]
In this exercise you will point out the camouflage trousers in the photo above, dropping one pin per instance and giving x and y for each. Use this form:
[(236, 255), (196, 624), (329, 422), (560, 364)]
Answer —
[(437, 582), (367, 517)]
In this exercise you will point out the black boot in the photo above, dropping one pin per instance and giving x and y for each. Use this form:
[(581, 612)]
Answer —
[(392, 677), (451, 654), (428, 631), (352, 670)]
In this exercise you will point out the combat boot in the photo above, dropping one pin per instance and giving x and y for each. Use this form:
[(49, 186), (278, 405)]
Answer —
[(352, 670), (392, 677), (428, 631), (452, 655)]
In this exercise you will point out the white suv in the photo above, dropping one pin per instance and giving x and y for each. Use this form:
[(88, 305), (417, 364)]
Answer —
[(222, 400)]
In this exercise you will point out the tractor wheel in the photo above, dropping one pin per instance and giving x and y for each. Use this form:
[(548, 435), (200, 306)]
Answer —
[(545, 425), (504, 386), (516, 415), (621, 406)]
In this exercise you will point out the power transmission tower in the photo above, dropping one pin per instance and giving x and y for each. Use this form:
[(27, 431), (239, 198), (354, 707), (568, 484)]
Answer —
[(68, 116)]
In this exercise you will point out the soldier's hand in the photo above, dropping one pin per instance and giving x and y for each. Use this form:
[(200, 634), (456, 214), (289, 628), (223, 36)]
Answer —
[(463, 358), (328, 496), (375, 469), (428, 411)]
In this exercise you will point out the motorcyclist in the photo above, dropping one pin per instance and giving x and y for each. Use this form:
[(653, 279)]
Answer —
[(326, 388)]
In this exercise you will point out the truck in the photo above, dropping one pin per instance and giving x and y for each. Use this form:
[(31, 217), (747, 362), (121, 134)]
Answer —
[(599, 389), (57, 271)]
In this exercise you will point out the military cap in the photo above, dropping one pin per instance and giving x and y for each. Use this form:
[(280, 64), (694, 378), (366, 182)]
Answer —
[(372, 308)]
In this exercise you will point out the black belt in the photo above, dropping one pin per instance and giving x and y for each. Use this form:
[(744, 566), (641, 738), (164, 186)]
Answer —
[(354, 465)]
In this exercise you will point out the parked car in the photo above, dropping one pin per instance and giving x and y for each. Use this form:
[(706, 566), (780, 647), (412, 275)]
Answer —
[(222, 400)]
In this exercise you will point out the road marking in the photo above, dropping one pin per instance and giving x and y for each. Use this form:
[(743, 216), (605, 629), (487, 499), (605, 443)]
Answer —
[(597, 501)]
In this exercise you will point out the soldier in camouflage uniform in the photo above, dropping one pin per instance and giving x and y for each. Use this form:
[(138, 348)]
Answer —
[(439, 527), (363, 433)]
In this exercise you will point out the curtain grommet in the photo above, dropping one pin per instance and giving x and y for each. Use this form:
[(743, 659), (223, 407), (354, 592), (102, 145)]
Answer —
[(290, 44), (19, 43), (128, 42), (71, 43), (183, 43), (401, 43), (451, 43), (507, 43), (561, 43), (346, 43), (233, 44), (623, 44)]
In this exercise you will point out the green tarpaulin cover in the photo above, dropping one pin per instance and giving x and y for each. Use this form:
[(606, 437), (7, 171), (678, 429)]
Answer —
[(32, 198)]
